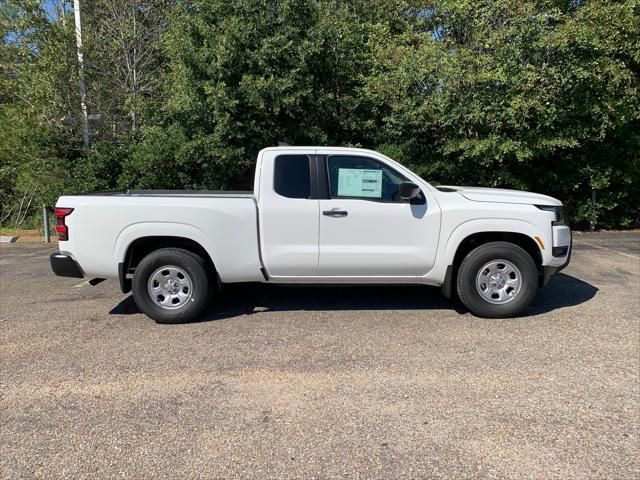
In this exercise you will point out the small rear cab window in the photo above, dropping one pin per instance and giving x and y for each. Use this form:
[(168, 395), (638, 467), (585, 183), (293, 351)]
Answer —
[(292, 176)]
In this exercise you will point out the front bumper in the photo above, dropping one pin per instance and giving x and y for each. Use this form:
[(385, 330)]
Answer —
[(549, 271), (65, 266), (561, 240)]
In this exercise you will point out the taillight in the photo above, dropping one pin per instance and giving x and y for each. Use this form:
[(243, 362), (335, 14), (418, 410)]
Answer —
[(61, 228)]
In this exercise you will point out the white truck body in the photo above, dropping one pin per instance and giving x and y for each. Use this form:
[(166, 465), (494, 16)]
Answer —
[(263, 236)]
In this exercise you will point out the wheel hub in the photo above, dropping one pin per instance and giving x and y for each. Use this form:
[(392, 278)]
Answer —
[(170, 287), (499, 281)]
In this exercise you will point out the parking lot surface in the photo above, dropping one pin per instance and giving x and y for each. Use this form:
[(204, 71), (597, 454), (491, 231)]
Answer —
[(376, 382)]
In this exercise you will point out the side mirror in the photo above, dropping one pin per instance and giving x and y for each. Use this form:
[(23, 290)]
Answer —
[(409, 190)]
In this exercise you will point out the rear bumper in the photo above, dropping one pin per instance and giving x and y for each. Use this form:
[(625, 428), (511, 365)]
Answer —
[(65, 266)]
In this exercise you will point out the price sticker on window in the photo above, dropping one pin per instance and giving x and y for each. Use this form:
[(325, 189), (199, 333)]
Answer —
[(359, 182)]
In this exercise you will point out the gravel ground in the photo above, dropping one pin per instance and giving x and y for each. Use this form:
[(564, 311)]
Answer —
[(323, 382)]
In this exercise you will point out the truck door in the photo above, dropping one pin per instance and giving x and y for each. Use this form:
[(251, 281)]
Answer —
[(367, 230), (288, 215)]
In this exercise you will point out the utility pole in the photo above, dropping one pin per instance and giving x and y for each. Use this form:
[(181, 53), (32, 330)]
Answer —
[(592, 225), (81, 87)]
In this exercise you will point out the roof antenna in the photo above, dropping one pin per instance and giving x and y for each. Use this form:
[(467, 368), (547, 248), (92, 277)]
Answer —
[(283, 144)]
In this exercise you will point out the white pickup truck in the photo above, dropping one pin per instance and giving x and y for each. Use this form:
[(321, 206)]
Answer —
[(316, 215)]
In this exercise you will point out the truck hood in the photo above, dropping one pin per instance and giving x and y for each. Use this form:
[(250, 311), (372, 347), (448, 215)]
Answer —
[(499, 195)]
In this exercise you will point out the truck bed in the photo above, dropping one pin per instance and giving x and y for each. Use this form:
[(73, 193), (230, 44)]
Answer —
[(171, 193), (103, 226)]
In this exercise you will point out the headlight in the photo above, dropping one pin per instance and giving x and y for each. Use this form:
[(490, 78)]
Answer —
[(560, 213)]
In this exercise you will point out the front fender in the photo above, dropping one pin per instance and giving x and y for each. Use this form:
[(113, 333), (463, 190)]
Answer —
[(449, 247)]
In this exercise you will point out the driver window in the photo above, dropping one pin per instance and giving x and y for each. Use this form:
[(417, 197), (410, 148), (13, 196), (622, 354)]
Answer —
[(363, 178)]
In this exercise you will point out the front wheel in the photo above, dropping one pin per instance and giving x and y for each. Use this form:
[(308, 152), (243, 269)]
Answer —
[(171, 285), (497, 280)]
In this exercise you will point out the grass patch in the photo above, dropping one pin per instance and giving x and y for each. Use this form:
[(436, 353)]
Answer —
[(20, 232)]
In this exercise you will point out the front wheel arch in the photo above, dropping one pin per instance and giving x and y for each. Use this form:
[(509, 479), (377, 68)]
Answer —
[(475, 240), (477, 292)]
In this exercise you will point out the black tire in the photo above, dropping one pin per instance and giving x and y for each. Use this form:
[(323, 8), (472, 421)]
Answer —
[(202, 286), (469, 271)]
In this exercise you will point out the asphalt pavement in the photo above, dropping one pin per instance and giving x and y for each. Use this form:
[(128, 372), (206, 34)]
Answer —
[(275, 382)]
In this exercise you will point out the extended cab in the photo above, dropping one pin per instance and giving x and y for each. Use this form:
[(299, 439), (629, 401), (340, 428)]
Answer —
[(316, 215)]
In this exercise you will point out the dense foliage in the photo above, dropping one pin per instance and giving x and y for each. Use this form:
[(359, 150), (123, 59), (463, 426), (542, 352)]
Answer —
[(540, 95)]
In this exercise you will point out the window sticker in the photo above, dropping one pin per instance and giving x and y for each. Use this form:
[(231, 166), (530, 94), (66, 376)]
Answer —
[(358, 182)]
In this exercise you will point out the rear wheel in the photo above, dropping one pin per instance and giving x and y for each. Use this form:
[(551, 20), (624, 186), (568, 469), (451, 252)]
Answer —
[(171, 285), (497, 279)]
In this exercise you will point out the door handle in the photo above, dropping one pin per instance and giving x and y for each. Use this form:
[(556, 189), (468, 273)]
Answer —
[(335, 212)]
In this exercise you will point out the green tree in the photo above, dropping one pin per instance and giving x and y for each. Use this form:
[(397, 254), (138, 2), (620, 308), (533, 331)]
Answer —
[(37, 110), (540, 95)]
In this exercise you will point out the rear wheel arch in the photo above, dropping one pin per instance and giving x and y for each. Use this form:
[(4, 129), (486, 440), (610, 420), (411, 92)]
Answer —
[(172, 285), (143, 246)]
